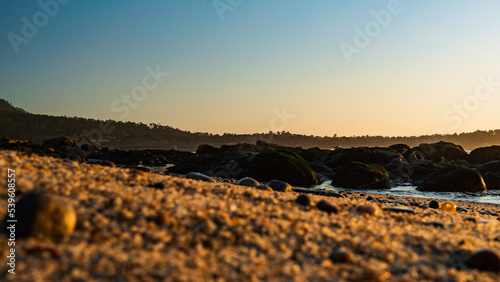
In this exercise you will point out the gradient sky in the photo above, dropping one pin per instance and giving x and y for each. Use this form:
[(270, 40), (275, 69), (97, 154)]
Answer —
[(417, 76)]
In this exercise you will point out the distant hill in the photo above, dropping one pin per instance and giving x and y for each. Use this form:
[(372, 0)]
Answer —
[(17, 123)]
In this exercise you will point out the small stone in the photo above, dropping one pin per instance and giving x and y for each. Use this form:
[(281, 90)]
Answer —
[(402, 203), (371, 209), (303, 200), (264, 187), (280, 186), (471, 219), (449, 207), (462, 209), (371, 199), (304, 191), (434, 223), (247, 181), (326, 207), (484, 260), (400, 209), (44, 215), (434, 204), (341, 256), (334, 194), (199, 176), (157, 185)]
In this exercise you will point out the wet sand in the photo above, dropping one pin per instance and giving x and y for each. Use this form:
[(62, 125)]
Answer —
[(187, 230)]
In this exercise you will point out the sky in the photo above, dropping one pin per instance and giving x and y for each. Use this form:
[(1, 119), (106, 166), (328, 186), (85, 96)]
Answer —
[(393, 68)]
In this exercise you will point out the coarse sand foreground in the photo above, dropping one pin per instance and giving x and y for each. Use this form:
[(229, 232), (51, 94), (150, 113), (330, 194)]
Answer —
[(187, 230)]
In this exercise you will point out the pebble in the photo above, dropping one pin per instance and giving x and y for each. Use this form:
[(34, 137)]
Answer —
[(199, 176), (484, 260), (462, 209), (157, 185), (449, 207), (434, 204), (341, 256), (371, 199), (334, 194), (247, 181), (44, 215), (434, 223), (471, 219), (280, 186), (371, 209), (264, 187), (303, 200), (402, 203), (400, 209), (326, 207), (305, 191)]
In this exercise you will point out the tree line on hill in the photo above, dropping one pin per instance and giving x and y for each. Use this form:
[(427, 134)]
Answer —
[(17, 123)]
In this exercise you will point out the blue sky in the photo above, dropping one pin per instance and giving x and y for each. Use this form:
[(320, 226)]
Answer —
[(417, 76)]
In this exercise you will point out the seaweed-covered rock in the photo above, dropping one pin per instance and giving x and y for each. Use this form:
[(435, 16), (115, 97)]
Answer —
[(281, 165), (342, 157), (454, 178), (362, 176), (485, 155)]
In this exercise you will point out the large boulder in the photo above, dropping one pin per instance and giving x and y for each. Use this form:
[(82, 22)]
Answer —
[(281, 165), (441, 150), (65, 148), (485, 155), (491, 174), (362, 176), (420, 169), (454, 178), (342, 157)]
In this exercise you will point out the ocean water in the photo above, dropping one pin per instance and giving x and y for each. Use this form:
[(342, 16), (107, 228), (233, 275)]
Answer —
[(489, 197)]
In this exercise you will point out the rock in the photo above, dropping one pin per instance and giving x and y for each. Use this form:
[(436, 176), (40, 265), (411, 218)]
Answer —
[(304, 191), (486, 260), (454, 179), (402, 203), (400, 209), (400, 148), (157, 185), (491, 174), (326, 207), (371, 209), (419, 170), (485, 155), (199, 176), (280, 186), (303, 200), (184, 169), (264, 187), (333, 194), (43, 215), (371, 199), (247, 181), (362, 176), (434, 224), (343, 157), (341, 256), (434, 204), (441, 150), (65, 148), (283, 165), (102, 163), (462, 209)]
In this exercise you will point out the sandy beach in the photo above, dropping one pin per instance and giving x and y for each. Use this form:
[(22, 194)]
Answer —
[(138, 226)]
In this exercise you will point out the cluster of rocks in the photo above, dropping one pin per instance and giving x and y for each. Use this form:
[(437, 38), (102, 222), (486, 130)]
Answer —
[(440, 167)]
